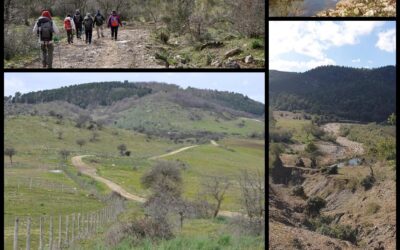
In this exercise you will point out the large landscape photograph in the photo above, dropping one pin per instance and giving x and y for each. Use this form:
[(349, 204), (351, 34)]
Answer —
[(332, 135), (134, 161)]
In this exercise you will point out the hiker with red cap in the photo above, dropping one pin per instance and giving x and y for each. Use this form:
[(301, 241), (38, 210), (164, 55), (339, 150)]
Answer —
[(69, 26), (44, 28), (114, 21)]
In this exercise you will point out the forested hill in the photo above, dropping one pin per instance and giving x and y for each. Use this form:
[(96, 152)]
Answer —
[(348, 93), (108, 93)]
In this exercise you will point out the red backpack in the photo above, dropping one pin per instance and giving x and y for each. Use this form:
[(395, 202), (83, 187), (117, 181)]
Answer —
[(114, 21), (67, 24)]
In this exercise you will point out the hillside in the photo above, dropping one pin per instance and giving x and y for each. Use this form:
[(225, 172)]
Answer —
[(347, 93), (153, 108)]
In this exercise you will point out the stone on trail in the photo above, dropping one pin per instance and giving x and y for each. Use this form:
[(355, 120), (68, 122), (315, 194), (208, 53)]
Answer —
[(248, 59), (233, 52)]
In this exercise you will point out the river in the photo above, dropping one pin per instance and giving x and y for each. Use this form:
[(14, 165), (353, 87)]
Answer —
[(299, 7)]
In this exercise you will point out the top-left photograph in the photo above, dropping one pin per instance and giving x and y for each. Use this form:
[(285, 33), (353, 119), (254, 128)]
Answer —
[(91, 34)]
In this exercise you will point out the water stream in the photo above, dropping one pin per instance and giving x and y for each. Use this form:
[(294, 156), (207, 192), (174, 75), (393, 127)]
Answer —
[(299, 7)]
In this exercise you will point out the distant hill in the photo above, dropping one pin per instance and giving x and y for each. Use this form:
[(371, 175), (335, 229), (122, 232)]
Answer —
[(147, 107), (367, 95)]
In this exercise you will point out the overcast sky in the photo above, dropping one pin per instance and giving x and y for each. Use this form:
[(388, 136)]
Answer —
[(250, 84), (302, 45)]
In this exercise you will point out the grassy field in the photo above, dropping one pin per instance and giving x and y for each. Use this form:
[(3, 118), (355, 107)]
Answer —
[(294, 126), (38, 154), (164, 115)]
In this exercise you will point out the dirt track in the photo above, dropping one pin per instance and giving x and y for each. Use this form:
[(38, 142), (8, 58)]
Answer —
[(173, 152), (129, 51), (90, 171), (354, 147)]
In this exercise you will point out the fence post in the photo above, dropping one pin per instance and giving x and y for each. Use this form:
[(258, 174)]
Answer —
[(73, 228), (79, 232), (59, 232), (87, 224), (41, 234), (66, 230), (28, 234), (16, 234), (51, 233)]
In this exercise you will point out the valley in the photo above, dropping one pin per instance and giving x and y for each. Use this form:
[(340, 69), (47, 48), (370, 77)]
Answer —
[(71, 160)]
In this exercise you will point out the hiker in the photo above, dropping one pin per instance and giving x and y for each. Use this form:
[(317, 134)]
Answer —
[(113, 22), (44, 28), (88, 23), (99, 21), (69, 26), (78, 19)]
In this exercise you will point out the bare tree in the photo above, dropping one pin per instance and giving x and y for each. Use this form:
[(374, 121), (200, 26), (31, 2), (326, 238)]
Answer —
[(253, 199), (60, 135), (80, 142), (122, 149), (94, 137), (216, 187), (64, 154), (10, 151)]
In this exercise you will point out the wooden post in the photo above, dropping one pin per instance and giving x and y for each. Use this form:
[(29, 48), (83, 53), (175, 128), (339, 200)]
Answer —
[(59, 232), (51, 234), (87, 224), (28, 234), (66, 230), (41, 234), (79, 230), (73, 228), (16, 234)]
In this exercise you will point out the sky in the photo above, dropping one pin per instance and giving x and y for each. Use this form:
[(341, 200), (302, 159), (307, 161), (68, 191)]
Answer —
[(299, 46), (250, 84)]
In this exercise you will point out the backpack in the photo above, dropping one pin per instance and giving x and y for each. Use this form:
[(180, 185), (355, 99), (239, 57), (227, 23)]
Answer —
[(88, 23), (77, 19), (99, 20), (45, 29), (67, 24), (114, 21)]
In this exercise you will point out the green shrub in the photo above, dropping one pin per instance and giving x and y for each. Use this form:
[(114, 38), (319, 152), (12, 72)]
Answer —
[(256, 44), (368, 182), (298, 191), (314, 205)]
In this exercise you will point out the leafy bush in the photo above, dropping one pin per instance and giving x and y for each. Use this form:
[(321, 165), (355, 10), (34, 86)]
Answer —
[(368, 182), (314, 205), (256, 44), (298, 191)]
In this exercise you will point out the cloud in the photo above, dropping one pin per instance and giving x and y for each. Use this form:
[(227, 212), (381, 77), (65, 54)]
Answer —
[(356, 60), (13, 84), (387, 40), (312, 39)]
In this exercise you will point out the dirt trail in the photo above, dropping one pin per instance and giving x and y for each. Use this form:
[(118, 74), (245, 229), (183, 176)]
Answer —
[(173, 152), (214, 143), (131, 50), (90, 171), (354, 147)]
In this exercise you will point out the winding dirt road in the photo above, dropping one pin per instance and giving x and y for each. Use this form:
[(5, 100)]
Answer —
[(355, 148), (173, 152), (91, 172)]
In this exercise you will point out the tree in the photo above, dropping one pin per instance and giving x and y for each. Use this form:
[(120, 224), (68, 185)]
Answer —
[(392, 119), (314, 205), (122, 149), (165, 182), (60, 135), (252, 189), (10, 152), (216, 187), (80, 142), (94, 137), (64, 154), (82, 120)]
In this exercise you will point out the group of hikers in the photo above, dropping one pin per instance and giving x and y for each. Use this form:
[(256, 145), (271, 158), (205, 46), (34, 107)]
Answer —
[(45, 28)]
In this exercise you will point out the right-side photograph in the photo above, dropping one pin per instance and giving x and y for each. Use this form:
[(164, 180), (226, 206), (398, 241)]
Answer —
[(332, 8), (332, 135)]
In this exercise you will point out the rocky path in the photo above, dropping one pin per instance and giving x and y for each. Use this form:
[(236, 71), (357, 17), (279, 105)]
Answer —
[(131, 50), (91, 172), (353, 147)]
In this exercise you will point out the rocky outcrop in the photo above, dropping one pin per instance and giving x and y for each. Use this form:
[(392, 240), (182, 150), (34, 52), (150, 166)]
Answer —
[(366, 8)]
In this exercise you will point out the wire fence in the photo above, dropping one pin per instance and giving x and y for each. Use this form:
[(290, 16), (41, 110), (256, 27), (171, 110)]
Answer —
[(59, 232)]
